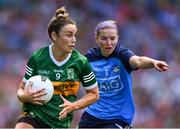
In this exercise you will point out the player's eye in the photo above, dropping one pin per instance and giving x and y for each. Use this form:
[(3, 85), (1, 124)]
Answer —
[(103, 38), (69, 35), (113, 38)]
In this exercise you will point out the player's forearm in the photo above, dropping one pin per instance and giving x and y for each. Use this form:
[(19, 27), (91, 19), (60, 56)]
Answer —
[(20, 92), (142, 62), (86, 100), (20, 95), (145, 62)]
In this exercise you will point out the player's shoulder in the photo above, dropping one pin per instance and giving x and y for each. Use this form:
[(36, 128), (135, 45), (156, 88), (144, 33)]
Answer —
[(41, 51), (121, 50), (40, 54), (77, 56), (93, 51), (93, 54)]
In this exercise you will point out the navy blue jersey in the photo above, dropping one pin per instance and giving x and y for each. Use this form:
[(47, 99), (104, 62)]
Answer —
[(113, 74)]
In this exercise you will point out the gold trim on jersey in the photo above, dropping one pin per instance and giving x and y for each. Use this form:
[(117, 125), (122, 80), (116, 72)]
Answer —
[(66, 88)]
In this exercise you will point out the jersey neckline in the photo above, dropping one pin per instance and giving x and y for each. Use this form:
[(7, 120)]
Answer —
[(55, 61)]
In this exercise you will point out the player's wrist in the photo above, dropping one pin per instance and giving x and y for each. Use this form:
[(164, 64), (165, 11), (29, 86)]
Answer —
[(76, 106), (20, 95)]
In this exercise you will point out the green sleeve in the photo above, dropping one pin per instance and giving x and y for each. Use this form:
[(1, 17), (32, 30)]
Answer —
[(88, 78), (30, 68)]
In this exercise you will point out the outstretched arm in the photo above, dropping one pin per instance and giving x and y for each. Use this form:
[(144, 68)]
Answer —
[(143, 62)]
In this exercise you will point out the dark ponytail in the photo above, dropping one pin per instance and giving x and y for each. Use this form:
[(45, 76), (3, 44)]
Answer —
[(59, 20)]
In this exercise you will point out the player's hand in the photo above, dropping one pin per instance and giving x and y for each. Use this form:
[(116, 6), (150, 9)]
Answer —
[(34, 96), (67, 108), (161, 66)]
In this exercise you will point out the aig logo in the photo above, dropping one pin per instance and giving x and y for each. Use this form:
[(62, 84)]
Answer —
[(110, 84)]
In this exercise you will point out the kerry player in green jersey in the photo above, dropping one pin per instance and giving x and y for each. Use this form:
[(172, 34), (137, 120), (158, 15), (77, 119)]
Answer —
[(67, 69)]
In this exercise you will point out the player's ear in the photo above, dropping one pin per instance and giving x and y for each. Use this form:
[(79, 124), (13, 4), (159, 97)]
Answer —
[(54, 36)]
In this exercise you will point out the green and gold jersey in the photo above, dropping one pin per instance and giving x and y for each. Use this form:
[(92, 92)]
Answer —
[(66, 77)]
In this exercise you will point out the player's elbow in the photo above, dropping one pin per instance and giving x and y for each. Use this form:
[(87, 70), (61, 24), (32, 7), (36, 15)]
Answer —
[(95, 94), (95, 98), (135, 62)]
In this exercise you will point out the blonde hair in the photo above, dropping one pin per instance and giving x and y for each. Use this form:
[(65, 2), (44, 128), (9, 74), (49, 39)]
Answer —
[(105, 24)]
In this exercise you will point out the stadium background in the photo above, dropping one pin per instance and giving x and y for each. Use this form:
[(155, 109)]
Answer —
[(148, 27)]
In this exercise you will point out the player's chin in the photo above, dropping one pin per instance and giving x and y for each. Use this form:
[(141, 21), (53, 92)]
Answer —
[(70, 50), (108, 53)]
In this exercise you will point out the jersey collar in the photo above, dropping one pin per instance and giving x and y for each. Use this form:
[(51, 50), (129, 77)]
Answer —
[(55, 61)]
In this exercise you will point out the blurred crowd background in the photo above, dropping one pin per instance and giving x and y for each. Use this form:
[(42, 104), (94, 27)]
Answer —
[(148, 27)]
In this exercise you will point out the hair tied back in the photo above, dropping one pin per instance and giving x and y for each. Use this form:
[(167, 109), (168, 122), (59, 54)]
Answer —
[(61, 13)]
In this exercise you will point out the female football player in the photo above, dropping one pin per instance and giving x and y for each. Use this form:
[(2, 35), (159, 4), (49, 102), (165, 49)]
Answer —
[(67, 69), (112, 64)]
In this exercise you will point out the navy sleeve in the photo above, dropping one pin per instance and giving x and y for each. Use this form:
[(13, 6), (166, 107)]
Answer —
[(124, 54)]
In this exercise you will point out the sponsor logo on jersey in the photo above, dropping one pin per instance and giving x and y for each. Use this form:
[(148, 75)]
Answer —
[(110, 84), (43, 72), (66, 88), (58, 70)]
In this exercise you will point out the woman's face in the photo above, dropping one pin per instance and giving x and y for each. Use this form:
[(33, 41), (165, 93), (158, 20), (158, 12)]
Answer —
[(107, 40), (66, 39)]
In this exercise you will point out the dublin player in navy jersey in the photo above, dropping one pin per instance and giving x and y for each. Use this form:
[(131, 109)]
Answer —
[(112, 65)]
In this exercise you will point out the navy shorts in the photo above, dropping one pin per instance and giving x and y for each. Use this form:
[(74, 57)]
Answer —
[(34, 121), (89, 121)]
